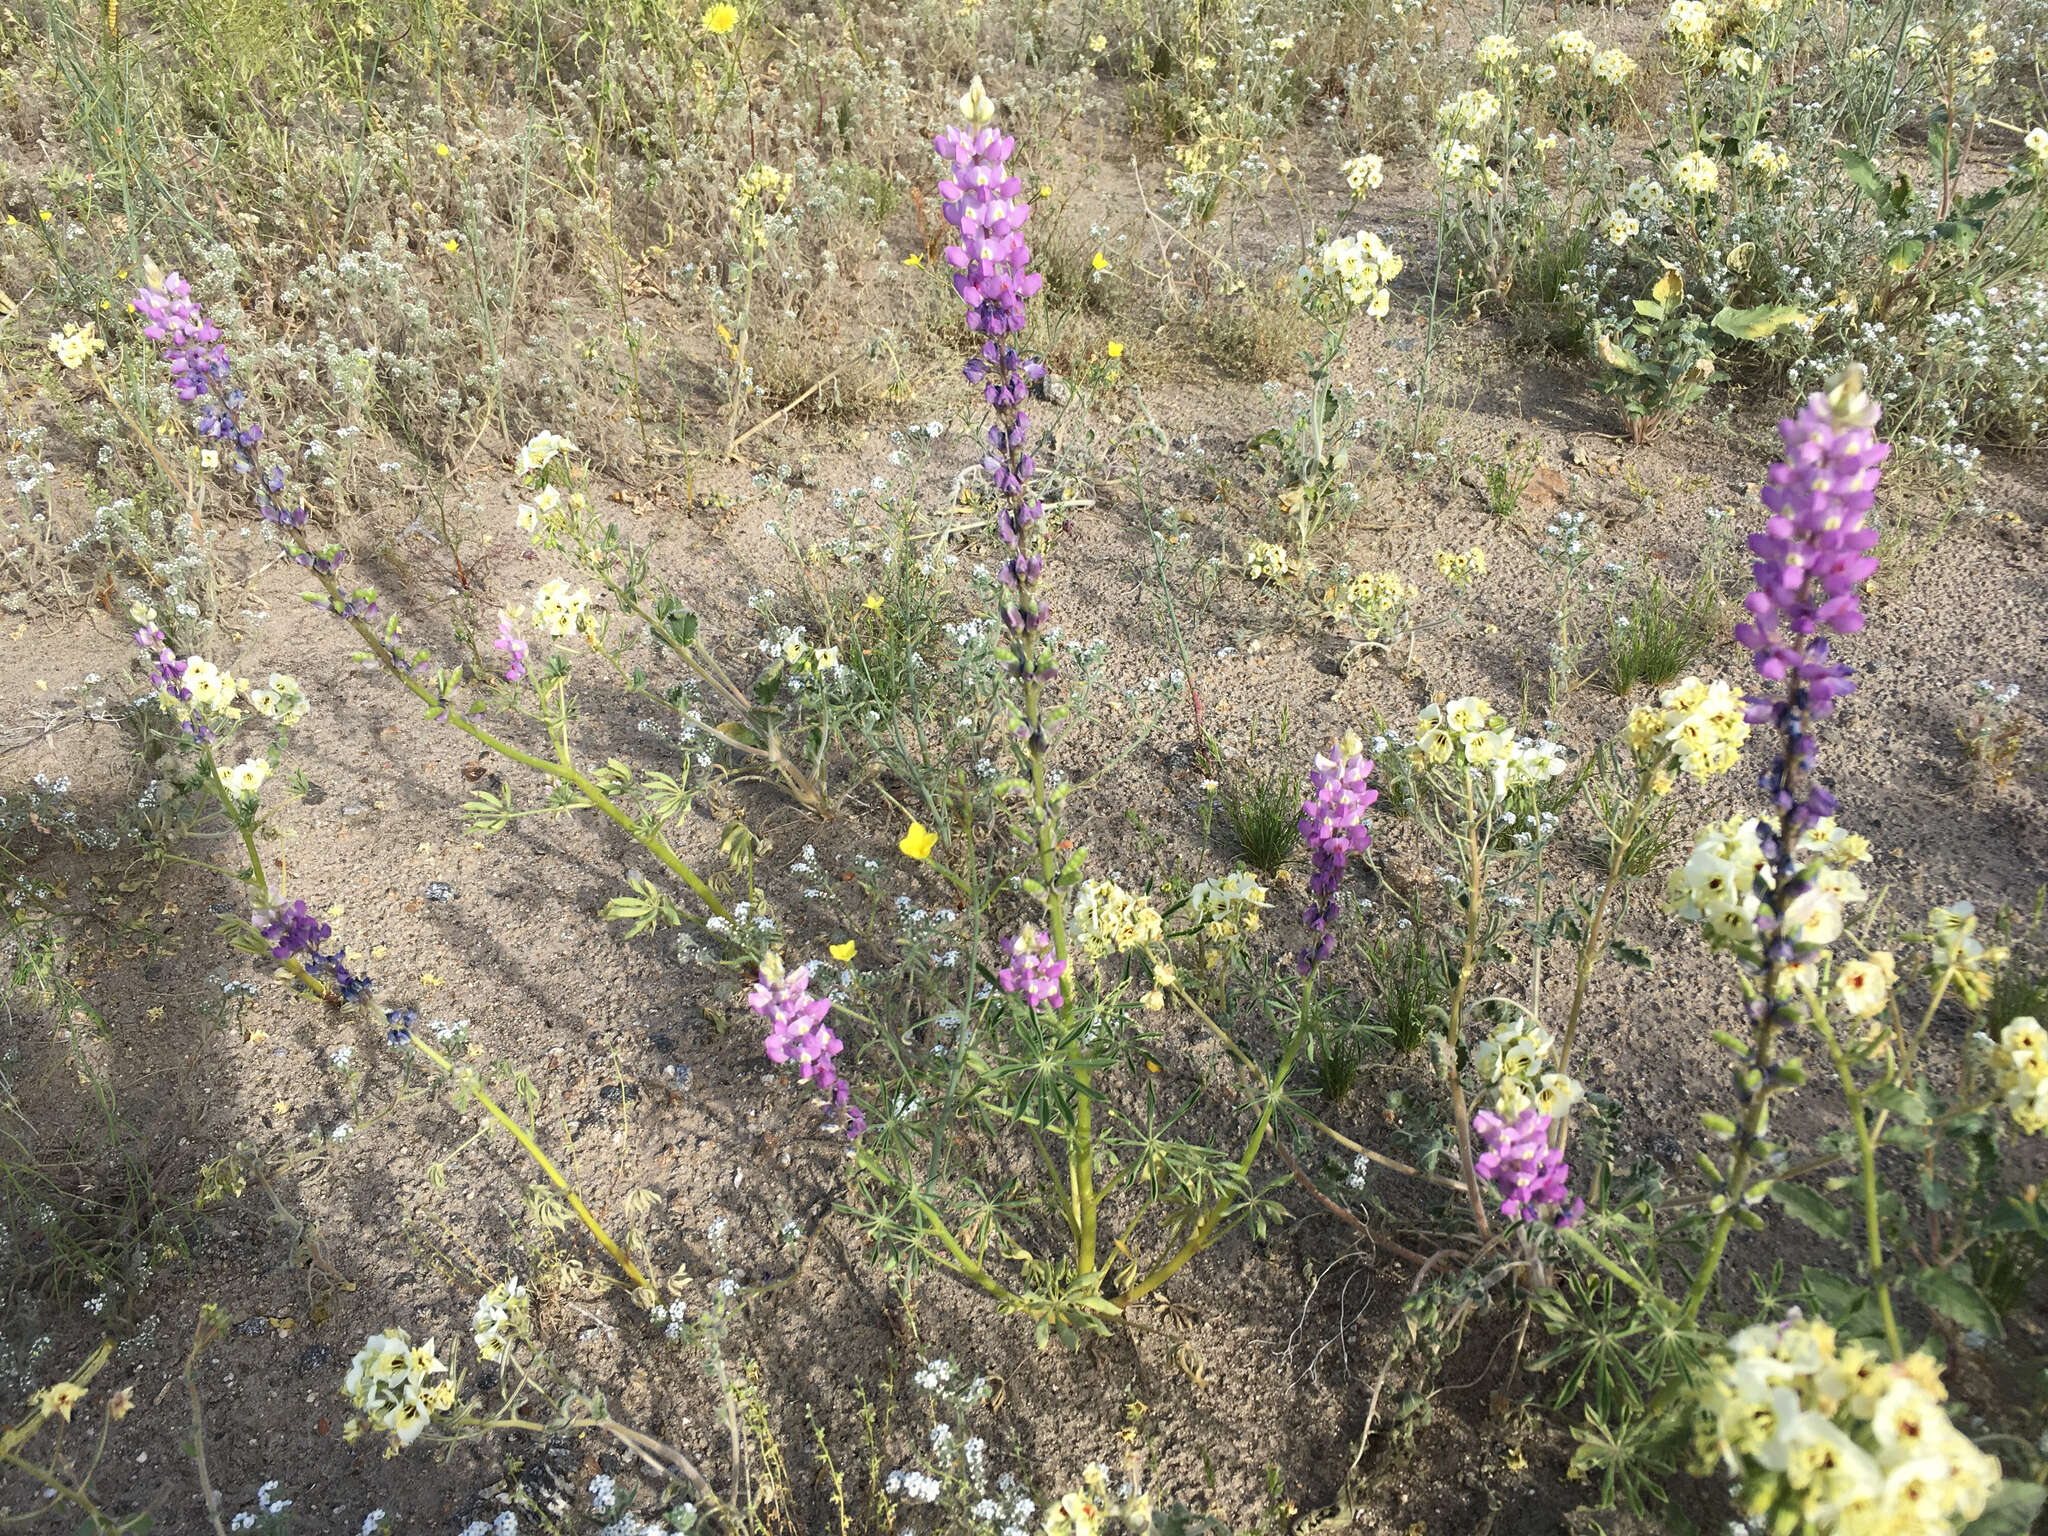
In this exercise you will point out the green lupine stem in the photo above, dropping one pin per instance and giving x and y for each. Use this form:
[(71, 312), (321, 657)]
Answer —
[(256, 878), (1866, 1153), (470, 1085), (1461, 1118), (564, 769), (1205, 1229)]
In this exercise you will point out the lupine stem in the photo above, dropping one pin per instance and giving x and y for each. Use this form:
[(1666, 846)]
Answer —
[(541, 1160), (562, 768)]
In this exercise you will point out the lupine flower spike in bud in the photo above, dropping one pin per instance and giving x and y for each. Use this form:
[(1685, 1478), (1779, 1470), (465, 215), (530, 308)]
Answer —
[(1333, 826)]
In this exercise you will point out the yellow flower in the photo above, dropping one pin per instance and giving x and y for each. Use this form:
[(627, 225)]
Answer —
[(123, 1401), (918, 842), (916, 260), (443, 151), (842, 952), (60, 1399), (721, 19), (872, 601), (1099, 262), (1098, 43), (1115, 349), (451, 246)]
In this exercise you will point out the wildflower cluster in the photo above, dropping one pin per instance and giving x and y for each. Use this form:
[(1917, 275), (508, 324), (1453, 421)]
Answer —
[(1510, 1063), (1956, 952), (1379, 604), (392, 1380), (1267, 562), (1367, 173), (1527, 1173), (2019, 1064), (1460, 570), (1466, 733), (1701, 727), (1034, 969), (798, 1034), (502, 1316), (1360, 266), (1106, 918), (1828, 1438), (1333, 828), (1723, 884), (1227, 906)]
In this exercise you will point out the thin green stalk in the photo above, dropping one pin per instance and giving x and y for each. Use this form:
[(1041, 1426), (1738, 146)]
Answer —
[(1866, 1154), (563, 769), (1475, 895), (541, 1160)]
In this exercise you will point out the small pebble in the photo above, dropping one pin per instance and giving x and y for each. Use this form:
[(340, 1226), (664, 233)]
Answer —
[(440, 890)]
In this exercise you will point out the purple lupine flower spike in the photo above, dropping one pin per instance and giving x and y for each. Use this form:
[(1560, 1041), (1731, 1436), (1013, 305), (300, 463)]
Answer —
[(1333, 826), (1812, 556), (1034, 969), (985, 203), (1527, 1172), (799, 1036), (200, 371)]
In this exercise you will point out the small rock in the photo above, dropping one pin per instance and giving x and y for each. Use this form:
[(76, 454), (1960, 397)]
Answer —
[(613, 1093), (1666, 1148), (314, 1357), (357, 809), (440, 890), (677, 1075), (662, 1043), (253, 1327)]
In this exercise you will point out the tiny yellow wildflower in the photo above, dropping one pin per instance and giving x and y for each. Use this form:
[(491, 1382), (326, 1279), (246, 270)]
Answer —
[(842, 952), (918, 842), (721, 19), (443, 151), (1099, 262), (451, 246), (1115, 349)]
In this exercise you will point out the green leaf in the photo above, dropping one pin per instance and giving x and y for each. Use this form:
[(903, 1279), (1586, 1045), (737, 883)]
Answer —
[(1962, 233), (2010, 1511), (1955, 1298), (1812, 1209), (1858, 168), (1649, 309), (1755, 324), (1630, 955), (1904, 254), (1901, 1101)]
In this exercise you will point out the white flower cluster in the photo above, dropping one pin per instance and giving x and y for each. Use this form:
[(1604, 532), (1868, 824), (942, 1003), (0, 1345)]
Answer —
[(391, 1380), (1467, 733), (559, 611), (541, 451), (1267, 562), (1108, 917), (1717, 887), (1362, 265), (281, 700), (1700, 727), (2019, 1061), (1510, 1063), (1830, 1439), (501, 1318), (1226, 907), (1469, 113), (1367, 173)]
